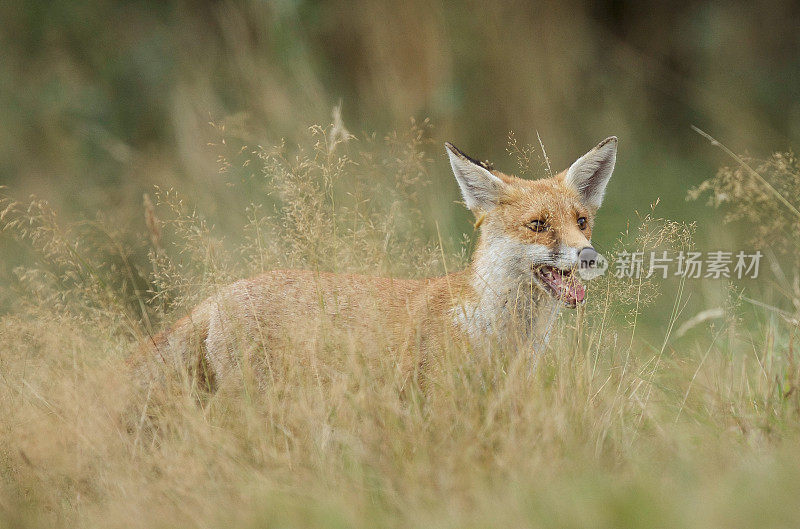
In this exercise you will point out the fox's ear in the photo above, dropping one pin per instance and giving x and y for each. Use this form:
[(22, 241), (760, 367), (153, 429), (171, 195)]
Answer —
[(480, 188), (591, 172)]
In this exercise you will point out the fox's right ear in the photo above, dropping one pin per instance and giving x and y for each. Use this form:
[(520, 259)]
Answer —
[(591, 172), (479, 187)]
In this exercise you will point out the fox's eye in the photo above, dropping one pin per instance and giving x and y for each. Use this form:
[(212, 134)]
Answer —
[(582, 223), (537, 225)]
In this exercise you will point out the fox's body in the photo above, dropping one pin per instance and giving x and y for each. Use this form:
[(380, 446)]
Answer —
[(534, 233)]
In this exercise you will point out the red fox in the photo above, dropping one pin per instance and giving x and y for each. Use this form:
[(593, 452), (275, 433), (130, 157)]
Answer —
[(534, 235)]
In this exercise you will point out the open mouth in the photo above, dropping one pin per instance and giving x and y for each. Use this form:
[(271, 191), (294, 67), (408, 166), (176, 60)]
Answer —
[(562, 285)]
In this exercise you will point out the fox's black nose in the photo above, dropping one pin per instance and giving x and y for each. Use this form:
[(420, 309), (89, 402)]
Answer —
[(587, 257)]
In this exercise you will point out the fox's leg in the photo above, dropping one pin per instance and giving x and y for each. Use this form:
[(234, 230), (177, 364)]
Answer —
[(238, 347), (221, 345)]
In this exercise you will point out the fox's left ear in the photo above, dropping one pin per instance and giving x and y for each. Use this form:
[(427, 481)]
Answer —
[(591, 172), (480, 188)]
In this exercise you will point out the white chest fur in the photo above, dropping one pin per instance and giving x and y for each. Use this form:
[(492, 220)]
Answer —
[(509, 308)]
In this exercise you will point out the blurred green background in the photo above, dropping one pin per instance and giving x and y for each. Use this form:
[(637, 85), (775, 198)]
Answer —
[(100, 100)]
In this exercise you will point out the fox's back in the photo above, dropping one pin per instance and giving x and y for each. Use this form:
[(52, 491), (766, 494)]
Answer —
[(304, 299), (297, 313)]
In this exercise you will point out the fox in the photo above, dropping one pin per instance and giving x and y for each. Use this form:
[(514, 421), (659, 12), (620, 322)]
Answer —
[(534, 237)]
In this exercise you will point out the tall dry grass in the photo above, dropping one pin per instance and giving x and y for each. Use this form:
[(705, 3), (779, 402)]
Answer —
[(606, 431)]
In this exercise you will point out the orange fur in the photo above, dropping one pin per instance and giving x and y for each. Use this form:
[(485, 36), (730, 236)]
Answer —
[(497, 300)]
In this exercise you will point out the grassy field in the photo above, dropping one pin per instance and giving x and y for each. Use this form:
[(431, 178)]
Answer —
[(152, 152), (603, 429)]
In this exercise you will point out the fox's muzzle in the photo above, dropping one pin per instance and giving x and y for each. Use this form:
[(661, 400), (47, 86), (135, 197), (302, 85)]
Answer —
[(587, 257)]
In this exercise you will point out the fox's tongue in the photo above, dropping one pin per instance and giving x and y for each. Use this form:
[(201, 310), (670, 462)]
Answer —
[(569, 288)]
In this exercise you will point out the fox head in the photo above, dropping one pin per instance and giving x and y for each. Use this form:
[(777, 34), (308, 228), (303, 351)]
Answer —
[(540, 229)]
